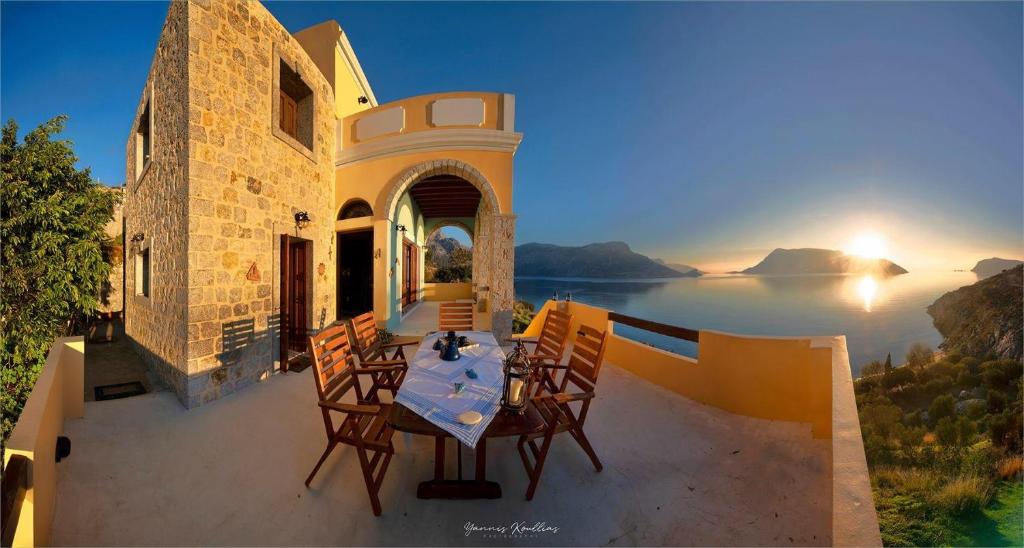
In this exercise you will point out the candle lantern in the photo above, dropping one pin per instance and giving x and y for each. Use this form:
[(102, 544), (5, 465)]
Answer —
[(517, 380)]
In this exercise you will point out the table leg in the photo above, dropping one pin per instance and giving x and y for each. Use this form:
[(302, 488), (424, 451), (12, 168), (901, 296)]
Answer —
[(476, 488), (481, 460), (439, 458)]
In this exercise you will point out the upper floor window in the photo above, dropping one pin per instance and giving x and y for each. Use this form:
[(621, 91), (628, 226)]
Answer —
[(354, 209), (295, 115), (143, 140)]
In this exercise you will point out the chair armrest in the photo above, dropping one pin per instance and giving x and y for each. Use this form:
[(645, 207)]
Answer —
[(523, 339), (551, 357), (381, 369), (565, 397), (382, 363), (358, 409), (407, 342)]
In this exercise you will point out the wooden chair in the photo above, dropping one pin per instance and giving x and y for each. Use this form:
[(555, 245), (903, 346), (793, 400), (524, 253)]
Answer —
[(455, 316), (549, 349), (363, 424), (582, 370), (372, 352)]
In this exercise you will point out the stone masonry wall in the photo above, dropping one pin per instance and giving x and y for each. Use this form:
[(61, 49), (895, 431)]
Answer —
[(247, 182), (156, 206)]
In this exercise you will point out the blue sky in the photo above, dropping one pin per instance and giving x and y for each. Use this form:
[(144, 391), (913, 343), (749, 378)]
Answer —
[(706, 133)]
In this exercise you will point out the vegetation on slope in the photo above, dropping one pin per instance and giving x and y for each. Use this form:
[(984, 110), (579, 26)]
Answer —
[(942, 439), (447, 260)]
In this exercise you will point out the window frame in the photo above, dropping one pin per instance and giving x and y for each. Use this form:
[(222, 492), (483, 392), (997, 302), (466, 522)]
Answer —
[(143, 273), (145, 109), (280, 57)]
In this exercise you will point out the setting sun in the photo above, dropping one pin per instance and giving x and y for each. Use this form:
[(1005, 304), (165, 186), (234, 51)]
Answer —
[(868, 245)]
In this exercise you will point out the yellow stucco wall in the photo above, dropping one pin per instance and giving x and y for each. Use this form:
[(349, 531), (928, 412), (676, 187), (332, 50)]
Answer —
[(321, 42), (447, 291), (771, 378), (59, 393)]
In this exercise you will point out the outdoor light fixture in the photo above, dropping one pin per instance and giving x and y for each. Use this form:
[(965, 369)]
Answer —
[(301, 219), (400, 228), (516, 389), (363, 100), (138, 237)]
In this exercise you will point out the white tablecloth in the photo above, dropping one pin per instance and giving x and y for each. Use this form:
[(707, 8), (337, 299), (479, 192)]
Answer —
[(429, 386)]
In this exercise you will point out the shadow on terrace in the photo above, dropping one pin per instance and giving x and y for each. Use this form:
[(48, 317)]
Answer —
[(751, 444)]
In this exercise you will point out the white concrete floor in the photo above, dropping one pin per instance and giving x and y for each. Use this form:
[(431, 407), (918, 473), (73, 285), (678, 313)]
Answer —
[(145, 471), (421, 319)]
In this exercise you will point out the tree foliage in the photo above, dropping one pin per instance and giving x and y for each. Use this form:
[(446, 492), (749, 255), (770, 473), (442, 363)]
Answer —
[(52, 245)]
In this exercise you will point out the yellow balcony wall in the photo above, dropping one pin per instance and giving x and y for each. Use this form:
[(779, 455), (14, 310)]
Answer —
[(59, 394)]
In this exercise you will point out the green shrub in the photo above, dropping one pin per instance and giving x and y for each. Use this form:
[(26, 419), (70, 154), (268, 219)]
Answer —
[(971, 363), (938, 385), (871, 369), (522, 315), (946, 431), (898, 377), (953, 357), (941, 407), (963, 495), (976, 409), (919, 355)]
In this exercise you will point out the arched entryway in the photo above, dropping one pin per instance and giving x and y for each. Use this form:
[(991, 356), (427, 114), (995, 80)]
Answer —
[(447, 193)]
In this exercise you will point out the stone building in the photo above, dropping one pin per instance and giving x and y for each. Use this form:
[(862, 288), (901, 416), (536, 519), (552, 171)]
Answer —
[(268, 194)]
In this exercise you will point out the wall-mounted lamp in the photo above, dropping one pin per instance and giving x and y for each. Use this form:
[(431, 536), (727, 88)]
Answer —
[(363, 100), (400, 228), (138, 237), (301, 219)]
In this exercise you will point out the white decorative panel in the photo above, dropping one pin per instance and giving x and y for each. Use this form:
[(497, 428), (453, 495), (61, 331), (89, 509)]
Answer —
[(391, 120), (467, 111)]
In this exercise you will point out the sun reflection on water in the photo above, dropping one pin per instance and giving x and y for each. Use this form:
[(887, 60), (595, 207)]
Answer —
[(867, 288)]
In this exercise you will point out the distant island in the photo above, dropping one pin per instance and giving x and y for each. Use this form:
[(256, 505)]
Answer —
[(986, 268), (821, 261), (598, 260), (983, 319), (686, 269)]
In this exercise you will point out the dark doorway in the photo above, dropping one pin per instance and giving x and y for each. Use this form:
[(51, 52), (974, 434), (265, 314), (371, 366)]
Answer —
[(355, 273), (295, 287)]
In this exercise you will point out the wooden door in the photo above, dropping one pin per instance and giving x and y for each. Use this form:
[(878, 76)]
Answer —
[(297, 306), (410, 270)]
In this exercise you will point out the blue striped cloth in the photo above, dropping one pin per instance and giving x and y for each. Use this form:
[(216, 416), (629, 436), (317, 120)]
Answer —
[(429, 386)]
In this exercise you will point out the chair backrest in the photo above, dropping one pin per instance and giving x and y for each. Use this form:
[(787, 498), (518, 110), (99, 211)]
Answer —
[(366, 340), (554, 334), (333, 368), (585, 361), (455, 316)]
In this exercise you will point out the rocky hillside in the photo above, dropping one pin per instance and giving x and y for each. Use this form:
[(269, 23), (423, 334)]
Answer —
[(985, 317), (821, 261), (601, 260), (986, 268)]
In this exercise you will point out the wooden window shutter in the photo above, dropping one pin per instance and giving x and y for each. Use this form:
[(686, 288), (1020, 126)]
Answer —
[(289, 118)]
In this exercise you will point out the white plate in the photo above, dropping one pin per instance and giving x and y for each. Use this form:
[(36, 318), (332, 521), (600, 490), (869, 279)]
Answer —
[(470, 418)]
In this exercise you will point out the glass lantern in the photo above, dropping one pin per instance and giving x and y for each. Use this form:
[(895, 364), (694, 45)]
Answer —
[(515, 393)]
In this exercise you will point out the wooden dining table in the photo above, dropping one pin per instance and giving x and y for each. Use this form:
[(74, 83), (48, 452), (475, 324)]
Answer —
[(504, 425)]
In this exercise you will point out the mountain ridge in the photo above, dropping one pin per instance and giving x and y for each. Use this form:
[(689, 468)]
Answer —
[(808, 260), (986, 268), (611, 260)]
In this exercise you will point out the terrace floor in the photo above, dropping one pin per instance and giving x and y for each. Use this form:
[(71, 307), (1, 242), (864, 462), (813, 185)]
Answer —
[(145, 471)]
